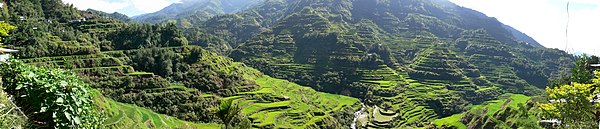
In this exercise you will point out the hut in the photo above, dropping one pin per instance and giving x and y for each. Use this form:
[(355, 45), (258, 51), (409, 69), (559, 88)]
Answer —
[(5, 53)]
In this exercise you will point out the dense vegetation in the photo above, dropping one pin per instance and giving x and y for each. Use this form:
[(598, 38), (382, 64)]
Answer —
[(151, 66), (569, 103), (49, 97), (410, 63), (395, 54), (11, 116)]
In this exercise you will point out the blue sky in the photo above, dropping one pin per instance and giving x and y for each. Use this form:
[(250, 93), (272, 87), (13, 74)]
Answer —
[(544, 20)]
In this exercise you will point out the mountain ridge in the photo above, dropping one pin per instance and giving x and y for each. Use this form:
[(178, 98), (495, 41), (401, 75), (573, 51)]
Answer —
[(408, 63), (203, 9)]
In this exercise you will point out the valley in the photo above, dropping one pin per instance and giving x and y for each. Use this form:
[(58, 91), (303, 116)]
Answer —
[(331, 64)]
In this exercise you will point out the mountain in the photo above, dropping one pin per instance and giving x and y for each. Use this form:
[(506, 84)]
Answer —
[(115, 15), (147, 75), (410, 61), (196, 9), (522, 36), (292, 63)]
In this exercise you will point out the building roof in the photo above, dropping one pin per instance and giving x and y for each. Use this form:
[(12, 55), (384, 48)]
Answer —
[(595, 65), (4, 50)]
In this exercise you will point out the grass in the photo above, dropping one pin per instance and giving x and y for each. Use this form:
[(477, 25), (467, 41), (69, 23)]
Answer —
[(492, 107), (10, 116), (180, 87), (381, 117), (260, 106), (121, 115), (451, 121), (141, 73), (295, 107)]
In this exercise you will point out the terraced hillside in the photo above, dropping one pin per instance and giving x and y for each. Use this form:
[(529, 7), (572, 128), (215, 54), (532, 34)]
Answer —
[(407, 62), (510, 111), (397, 56), (116, 79), (283, 104), (121, 115), (272, 99)]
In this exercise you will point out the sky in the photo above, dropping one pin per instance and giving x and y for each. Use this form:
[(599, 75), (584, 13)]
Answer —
[(127, 7), (543, 20), (546, 21)]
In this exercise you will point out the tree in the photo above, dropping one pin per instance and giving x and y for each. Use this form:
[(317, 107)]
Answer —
[(571, 104), (581, 72), (5, 28), (229, 110)]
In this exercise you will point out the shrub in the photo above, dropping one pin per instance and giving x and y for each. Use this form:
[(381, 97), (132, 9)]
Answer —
[(50, 97)]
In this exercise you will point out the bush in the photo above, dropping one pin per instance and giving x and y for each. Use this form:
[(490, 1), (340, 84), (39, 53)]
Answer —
[(50, 97)]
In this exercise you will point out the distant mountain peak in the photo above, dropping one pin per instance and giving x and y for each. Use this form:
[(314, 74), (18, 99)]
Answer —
[(522, 36), (202, 9)]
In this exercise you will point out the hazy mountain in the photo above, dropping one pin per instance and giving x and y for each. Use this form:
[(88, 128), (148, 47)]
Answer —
[(114, 15), (200, 9), (522, 36)]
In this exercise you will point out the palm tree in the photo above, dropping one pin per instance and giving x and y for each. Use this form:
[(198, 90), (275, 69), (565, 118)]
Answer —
[(228, 110)]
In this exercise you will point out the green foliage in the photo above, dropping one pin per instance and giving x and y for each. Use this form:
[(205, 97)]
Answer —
[(176, 80), (440, 64), (418, 59), (147, 36), (571, 104), (5, 28), (580, 73), (121, 115), (10, 114), (512, 111), (115, 15), (228, 111), (283, 104), (55, 98)]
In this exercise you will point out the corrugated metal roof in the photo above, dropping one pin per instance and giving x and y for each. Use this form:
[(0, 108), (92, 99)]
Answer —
[(4, 50)]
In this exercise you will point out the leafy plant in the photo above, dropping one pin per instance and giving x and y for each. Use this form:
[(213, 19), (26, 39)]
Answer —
[(51, 98), (228, 111)]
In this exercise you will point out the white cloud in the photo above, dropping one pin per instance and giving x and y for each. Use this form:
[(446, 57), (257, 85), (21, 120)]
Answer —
[(546, 20), (149, 6), (101, 5)]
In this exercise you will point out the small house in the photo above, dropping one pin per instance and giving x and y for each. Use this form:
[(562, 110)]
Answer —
[(5, 53), (595, 66)]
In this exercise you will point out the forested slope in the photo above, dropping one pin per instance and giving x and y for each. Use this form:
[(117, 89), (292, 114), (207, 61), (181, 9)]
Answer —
[(420, 59), (152, 66), (412, 63)]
